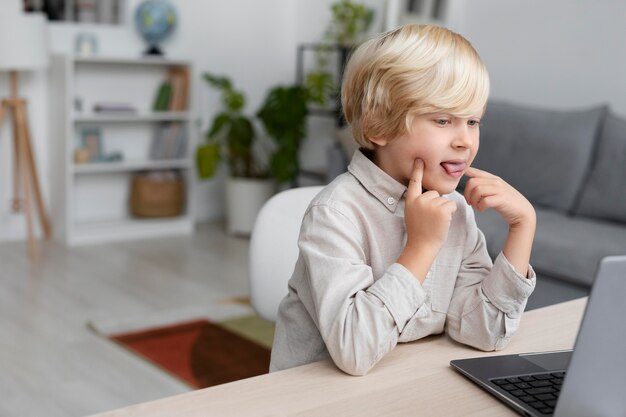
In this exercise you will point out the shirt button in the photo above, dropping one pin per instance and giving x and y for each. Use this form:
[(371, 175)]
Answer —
[(391, 200)]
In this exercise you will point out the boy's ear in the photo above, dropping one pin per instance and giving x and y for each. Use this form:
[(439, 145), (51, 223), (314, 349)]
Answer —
[(380, 141)]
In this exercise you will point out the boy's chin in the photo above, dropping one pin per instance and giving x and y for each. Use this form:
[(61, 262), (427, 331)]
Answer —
[(445, 188)]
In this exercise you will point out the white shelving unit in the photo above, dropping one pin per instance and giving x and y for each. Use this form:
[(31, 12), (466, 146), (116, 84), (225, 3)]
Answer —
[(90, 201)]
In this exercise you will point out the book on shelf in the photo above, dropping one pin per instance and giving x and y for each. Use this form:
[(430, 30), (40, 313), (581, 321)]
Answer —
[(180, 147), (162, 99), (169, 141), (184, 100), (173, 93), (108, 107)]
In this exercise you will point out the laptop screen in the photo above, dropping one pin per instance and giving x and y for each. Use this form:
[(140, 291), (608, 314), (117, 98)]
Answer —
[(594, 385)]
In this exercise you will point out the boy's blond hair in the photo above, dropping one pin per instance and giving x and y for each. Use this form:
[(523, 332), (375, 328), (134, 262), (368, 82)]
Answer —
[(412, 70)]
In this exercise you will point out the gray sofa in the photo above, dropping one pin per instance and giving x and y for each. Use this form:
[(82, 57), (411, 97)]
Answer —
[(571, 165)]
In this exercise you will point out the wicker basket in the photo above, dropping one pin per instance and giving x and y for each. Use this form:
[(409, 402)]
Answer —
[(157, 195)]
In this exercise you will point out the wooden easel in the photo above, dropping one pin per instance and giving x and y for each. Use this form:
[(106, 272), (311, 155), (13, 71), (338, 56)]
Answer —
[(25, 179)]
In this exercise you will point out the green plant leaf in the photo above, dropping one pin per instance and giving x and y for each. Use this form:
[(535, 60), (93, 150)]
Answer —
[(241, 134), (207, 159), (221, 83), (350, 22), (283, 115), (231, 131), (284, 166), (320, 86), (219, 122), (234, 100)]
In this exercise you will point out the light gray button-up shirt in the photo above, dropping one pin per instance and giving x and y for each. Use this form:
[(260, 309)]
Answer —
[(350, 300)]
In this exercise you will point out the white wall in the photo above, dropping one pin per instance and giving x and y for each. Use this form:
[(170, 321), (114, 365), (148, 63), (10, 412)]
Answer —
[(558, 53)]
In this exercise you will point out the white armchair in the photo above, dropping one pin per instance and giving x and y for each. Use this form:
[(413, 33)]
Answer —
[(274, 248)]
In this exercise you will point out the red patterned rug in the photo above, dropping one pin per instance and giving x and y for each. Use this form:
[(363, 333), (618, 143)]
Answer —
[(199, 352)]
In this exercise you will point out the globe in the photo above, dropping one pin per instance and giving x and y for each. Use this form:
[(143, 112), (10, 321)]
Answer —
[(155, 20)]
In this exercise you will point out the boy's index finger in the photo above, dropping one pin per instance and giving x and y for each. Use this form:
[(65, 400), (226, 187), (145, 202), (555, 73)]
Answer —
[(415, 182), (475, 172)]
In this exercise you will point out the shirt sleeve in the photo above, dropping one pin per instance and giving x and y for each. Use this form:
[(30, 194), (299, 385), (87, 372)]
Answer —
[(488, 298), (359, 316)]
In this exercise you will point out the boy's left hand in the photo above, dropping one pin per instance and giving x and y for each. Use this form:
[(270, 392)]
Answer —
[(484, 190)]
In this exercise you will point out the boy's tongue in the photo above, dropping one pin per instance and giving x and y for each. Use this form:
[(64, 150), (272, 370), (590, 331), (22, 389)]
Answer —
[(452, 167)]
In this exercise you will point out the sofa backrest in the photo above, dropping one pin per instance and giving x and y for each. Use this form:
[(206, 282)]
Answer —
[(604, 192), (545, 154)]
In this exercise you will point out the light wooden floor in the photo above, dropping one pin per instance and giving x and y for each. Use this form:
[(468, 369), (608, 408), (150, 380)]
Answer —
[(52, 365)]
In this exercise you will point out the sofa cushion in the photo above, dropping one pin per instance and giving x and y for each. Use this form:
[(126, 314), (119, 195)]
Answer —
[(495, 230), (565, 246), (542, 153), (604, 194)]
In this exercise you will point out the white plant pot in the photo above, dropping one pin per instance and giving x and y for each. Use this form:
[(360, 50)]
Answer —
[(244, 199)]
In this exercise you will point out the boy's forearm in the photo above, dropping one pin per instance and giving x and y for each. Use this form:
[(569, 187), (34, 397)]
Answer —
[(418, 260), (519, 244)]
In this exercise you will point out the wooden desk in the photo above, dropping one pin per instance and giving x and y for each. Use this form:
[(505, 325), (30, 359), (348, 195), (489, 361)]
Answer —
[(414, 379)]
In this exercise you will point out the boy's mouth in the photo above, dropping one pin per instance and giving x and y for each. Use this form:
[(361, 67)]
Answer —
[(454, 168)]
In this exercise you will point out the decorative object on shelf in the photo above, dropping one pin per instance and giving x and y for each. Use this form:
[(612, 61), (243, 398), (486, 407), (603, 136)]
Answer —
[(24, 30), (86, 44), (81, 156), (91, 141), (114, 157), (92, 148), (157, 194), (105, 107), (155, 21)]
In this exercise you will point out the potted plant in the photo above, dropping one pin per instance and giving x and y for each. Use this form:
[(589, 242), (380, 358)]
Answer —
[(232, 137), (349, 23), (283, 115)]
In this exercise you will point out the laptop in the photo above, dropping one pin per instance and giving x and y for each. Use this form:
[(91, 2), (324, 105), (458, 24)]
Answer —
[(587, 381)]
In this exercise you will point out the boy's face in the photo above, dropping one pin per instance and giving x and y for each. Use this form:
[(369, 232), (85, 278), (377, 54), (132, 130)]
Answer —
[(445, 143)]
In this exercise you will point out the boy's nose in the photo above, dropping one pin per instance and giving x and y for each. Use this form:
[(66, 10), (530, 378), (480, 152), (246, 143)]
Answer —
[(462, 139)]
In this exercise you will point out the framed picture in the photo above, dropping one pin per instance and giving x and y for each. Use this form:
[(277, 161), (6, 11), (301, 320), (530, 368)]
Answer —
[(91, 141)]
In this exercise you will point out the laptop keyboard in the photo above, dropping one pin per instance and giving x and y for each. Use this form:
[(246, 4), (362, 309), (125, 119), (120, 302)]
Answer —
[(540, 391)]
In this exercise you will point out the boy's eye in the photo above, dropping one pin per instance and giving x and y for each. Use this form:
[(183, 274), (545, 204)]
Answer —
[(442, 122), (473, 122)]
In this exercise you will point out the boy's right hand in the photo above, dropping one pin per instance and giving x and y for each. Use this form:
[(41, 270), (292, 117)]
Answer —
[(427, 217)]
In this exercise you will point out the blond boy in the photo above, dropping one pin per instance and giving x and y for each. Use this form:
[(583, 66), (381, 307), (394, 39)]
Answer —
[(389, 251)]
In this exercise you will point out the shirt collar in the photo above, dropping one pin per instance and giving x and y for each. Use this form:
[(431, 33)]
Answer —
[(382, 186)]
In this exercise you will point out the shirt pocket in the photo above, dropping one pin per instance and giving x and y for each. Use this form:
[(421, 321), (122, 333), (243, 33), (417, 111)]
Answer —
[(447, 266)]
